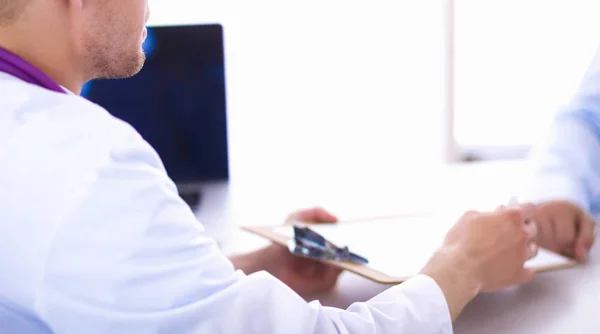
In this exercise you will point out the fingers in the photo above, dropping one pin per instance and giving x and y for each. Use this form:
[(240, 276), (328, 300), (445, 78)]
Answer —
[(331, 274), (528, 211), (523, 217), (532, 246), (526, 275), (315, 215), (520, 213), (532, 250), (470, 214), (545, 236), (531, 228), (564, 230), (585, 236), (325, 278)]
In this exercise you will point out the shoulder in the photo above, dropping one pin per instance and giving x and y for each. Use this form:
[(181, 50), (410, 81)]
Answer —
[(55, 148), (56, 151), (54, 145), (65, 131)]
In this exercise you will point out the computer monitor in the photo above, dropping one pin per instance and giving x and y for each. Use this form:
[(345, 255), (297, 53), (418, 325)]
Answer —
[(177, 102)]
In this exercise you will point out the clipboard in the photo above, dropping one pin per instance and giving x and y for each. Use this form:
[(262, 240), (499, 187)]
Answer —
[(396, 247)]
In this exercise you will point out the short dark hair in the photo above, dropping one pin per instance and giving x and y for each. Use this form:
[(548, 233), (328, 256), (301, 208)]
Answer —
[(10, 10)]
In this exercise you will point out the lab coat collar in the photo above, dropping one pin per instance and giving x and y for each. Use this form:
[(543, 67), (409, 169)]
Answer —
[(18, 67)]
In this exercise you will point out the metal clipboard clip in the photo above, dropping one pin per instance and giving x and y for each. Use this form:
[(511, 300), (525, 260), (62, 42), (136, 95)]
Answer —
[(309, 243)]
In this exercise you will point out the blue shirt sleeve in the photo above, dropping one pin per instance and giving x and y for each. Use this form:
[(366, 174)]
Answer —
[(566, 164)]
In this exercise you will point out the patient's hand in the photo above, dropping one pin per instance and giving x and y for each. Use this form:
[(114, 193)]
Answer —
[(565, 228)]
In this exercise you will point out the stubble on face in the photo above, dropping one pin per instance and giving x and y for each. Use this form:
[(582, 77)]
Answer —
[(112, 40)]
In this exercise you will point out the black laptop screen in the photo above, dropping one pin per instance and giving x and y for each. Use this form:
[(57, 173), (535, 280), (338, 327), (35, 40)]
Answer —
[(178, 101)]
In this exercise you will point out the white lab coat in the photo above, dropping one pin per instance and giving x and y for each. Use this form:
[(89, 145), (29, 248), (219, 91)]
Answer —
[(94, 239)]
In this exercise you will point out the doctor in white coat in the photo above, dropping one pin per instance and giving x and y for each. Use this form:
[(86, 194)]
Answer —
[(94, 238)]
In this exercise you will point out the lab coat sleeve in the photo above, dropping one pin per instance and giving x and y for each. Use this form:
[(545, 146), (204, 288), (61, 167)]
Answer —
[(130, 257), (565, 165)]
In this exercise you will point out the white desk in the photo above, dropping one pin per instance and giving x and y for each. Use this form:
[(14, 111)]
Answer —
[(557, 302)]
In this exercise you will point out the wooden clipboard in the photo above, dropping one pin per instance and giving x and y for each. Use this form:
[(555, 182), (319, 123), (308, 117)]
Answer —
[(273, 234)]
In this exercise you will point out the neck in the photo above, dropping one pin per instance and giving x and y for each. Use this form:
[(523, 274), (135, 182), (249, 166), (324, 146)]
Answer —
[(47, 52)]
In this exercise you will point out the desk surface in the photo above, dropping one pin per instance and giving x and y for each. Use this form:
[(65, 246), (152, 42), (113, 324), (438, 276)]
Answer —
[(555, 303), (565, 301)]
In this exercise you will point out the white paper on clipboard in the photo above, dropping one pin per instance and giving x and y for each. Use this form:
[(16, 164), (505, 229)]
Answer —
[(401, 246)]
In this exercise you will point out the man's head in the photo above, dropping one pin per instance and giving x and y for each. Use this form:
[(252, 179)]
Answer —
[(94, 38), (11, 10), (112, 33)]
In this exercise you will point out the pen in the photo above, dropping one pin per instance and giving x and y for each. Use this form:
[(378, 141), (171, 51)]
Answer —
[(533, 247), (514, 201)]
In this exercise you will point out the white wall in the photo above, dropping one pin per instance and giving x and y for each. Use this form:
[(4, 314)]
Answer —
[(517, 62), (340, 89)]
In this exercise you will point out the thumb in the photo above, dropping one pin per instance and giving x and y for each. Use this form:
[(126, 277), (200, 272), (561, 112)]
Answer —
[(315, 215), (529, 211), (526, 275), (585, 237)]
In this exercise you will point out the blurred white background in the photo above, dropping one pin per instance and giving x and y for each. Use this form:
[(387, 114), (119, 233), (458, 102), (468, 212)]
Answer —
[(516, 63), (351, 90), (341, 89)]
